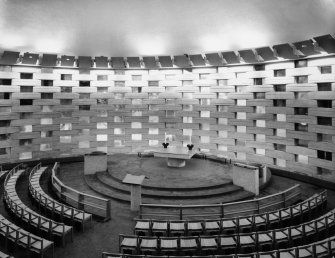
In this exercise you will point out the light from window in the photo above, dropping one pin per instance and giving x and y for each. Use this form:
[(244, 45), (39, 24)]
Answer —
[(119, 131), (241, 115), (204, 139), (65, 139), (241, 129), (153, 142), (45, 134), (153, 119), (45, 147), (102, 125), (102, 137), (46, 121), (26, 129), (25, 155), (260, 110), (153, 131), (301, 159), (136, 125), (136, 113), (136, 137), (223, 134), (280, 132), (65, 127), (241, 102), (260, 123), (205, 114), (222, 121)]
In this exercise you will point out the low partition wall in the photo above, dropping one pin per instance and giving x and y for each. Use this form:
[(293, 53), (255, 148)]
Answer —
[(92, 204), (247, 177), (259, 205)]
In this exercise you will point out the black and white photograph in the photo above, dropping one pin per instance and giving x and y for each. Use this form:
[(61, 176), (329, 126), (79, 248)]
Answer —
[(167, 128)]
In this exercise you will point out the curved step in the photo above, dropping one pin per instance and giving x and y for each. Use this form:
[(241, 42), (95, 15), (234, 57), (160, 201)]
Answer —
[(166, 193), (147, 185), (108, 192)]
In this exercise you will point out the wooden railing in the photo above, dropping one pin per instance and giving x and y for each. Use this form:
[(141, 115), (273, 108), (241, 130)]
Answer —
[(92, 204), (12, 172), (259, 205)]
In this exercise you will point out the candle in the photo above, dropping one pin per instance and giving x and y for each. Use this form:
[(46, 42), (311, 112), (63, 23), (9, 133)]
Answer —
[(165, 138), (190, 139)]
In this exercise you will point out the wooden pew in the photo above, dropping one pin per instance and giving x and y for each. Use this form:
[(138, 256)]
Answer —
[(24, 239), (291, 215), (28, 217), (287, 237), (47, 204), (319, 249)]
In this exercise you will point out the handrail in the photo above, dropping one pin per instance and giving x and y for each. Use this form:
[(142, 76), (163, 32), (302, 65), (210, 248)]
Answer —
[(33, 170), (28, 216), (324, 222), (82, 201), (314, 203), (27, 237), (48, 203), (12, 172), (281, 199)]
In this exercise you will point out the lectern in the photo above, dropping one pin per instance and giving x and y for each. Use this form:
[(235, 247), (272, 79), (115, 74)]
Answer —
[(135, 183)]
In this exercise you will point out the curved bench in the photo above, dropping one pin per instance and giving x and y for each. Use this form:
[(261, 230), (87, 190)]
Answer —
[(29, 217), (235, 243), (95, 205), (20, 237), (48, 204), (320, 249), (298, 213), (258, 205)]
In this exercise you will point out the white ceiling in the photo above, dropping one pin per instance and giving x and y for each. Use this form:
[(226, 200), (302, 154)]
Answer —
[(158, 27)]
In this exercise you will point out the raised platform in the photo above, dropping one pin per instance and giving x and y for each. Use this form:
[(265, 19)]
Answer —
[(199, 181), (176, 155)]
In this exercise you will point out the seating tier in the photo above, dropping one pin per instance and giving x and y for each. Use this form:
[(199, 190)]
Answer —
[(287, 237), (27, 216), (20, 237), (292, 215), (49, 205), (319, 249)]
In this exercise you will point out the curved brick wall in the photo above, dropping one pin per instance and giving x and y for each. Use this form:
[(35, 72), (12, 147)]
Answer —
[(280, 114)]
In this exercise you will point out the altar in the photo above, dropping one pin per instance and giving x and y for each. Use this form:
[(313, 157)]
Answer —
[(176, 155)]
